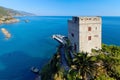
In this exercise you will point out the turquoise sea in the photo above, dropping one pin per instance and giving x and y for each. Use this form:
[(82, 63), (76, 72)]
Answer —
[(31, 43)]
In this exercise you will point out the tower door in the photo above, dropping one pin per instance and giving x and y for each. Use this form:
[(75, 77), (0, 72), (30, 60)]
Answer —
[(75, 47)]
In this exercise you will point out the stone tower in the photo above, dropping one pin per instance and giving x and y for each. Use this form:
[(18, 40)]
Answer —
[(84, 33)]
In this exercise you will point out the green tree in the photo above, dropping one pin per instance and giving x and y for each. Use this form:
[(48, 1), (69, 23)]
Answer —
[(112, 60)]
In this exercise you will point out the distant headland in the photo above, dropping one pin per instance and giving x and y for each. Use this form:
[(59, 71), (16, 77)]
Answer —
[(10, 12), (7, 15)]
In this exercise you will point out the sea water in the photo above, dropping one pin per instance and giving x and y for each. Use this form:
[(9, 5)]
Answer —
[(31, 43)]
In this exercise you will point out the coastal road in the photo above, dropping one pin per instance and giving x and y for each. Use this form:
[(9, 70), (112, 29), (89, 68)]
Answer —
[(63, 59)]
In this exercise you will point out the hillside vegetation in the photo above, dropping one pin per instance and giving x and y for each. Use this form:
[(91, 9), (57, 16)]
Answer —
[(104, 65), (3, 12)]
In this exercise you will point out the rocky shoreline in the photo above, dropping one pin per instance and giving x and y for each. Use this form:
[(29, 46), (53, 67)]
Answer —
[(8, 20)]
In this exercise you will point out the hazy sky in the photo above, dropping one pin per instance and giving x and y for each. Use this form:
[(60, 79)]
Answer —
[(66, 7)]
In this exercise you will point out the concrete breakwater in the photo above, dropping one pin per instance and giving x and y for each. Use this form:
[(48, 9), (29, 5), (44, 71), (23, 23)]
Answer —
[(6, 33)]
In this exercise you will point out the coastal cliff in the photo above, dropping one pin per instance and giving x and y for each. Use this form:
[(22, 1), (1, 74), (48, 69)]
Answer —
[(104, 65)]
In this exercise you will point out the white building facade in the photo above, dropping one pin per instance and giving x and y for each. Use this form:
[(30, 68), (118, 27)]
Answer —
[(84, 33)]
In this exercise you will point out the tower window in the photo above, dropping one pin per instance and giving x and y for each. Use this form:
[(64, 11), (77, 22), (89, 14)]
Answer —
[(89, 18), (75, 19), (89, 28), (89, 37), (95, 35), (72, 34), (81, 19), (96, 28), (95, 19)]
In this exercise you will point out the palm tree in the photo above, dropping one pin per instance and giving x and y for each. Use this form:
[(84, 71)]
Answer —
[(85, 65)]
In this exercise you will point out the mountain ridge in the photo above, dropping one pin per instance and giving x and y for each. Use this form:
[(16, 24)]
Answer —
[(11, 12)]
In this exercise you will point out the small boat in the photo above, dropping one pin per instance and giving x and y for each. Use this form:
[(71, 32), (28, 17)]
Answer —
[(35, 70)]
